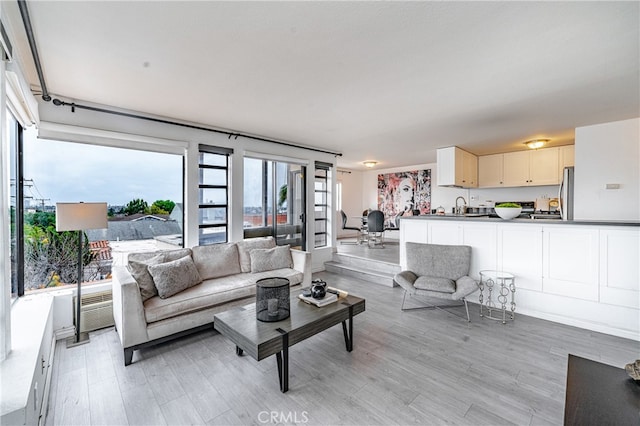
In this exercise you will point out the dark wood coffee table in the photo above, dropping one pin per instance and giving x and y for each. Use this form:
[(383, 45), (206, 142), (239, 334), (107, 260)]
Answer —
[(263, 339), (600, 394)]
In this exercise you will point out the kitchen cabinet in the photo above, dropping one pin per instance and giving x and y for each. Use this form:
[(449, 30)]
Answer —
[(411, 231), (457, 167), (519, 250), (482, 237), (448, 233), (531, 168), (619, 278), (571, 260), (566, 155), (490, 171)]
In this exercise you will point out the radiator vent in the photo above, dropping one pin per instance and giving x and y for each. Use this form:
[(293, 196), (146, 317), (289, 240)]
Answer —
[(96, 311)]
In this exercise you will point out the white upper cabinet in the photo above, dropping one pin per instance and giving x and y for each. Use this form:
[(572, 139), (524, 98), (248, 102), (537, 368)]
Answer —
[(531, 168), (566, 155), (490, 171), (543, 167), (457, 167), (516, 168)]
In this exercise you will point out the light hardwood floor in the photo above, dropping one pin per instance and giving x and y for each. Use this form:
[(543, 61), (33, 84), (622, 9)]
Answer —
[(414, 367)]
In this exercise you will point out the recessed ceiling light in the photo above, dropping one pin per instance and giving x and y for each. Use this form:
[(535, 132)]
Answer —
[(369, 164)]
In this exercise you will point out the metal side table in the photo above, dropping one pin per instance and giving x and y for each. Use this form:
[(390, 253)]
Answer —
[(502, 284)]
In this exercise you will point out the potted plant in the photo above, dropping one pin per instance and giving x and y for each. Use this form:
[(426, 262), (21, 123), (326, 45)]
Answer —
[(508, 210)]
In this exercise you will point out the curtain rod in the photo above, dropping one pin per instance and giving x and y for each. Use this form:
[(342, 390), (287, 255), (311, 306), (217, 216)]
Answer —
[(58, 102), (24, 12)]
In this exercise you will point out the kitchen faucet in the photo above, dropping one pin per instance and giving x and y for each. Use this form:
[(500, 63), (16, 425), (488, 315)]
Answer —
[(461, 209)]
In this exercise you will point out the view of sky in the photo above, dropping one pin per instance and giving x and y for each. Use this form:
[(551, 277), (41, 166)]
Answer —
[(71, 172)]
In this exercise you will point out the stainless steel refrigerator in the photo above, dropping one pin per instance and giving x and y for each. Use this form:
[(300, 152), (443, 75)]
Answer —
[(565, 194)]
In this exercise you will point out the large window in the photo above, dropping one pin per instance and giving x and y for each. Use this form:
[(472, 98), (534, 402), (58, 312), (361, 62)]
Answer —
[(274, 201), (214, 194), (143, 191)]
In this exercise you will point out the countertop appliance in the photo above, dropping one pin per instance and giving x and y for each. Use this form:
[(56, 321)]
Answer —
[(528, 208), (546, 208), (565, 194)]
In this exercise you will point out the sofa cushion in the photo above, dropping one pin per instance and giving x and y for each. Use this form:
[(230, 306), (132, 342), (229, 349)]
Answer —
[(213, 292), (269, 259), (139, 262), (294, 277), (439, 284), (216, 260), (173, 277), (245, 247)]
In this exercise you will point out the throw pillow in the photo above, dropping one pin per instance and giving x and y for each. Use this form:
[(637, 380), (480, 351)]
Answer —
[(175, 276), (139, 262), (245, 247), (216, 260), (270, 259)]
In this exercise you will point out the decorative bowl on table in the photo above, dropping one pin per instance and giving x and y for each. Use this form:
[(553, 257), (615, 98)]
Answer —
[(633, 370), (508, 211)]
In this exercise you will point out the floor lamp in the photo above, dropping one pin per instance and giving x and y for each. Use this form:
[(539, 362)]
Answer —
[(80, 217)]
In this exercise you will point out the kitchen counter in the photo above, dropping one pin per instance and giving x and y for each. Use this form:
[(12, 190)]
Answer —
[(488, 219), (581, 273)]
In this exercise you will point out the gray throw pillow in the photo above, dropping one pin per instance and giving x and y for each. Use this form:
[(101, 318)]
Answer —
[(139, 262), (175, 276), (245, 247), (270, 259), (216, 260)]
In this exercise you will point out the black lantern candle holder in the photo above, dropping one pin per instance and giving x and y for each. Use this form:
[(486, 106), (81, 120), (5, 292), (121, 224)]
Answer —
[(272, 299)]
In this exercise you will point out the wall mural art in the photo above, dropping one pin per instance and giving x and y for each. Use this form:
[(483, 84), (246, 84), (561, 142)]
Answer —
[(404, 194)]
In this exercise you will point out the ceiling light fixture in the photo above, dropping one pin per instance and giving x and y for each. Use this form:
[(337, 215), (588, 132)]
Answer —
[(536, 143), (369, 164)]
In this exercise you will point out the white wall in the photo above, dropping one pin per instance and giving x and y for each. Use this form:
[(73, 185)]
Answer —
[(608, 153), (351, 200), (522, 193)]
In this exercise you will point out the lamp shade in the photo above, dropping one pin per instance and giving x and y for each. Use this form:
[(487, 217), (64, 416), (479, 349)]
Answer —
[(80, 216)]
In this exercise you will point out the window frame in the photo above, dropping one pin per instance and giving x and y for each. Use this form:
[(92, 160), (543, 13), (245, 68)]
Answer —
[(226, 152), (17, 160), (325, 208)]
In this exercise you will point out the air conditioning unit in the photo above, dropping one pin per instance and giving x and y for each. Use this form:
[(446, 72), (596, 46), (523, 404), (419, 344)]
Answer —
[(96, 311)]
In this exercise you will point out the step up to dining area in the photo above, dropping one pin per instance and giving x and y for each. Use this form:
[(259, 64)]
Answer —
[(375, 266)]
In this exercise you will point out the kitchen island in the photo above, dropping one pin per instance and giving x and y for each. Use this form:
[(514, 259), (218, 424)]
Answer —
[(580, 273)]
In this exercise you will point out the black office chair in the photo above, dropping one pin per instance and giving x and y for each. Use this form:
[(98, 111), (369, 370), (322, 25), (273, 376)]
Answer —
[(350, 228), (375, 228)]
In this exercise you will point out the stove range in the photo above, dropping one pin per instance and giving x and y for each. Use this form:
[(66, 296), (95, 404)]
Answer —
[(545, 215)]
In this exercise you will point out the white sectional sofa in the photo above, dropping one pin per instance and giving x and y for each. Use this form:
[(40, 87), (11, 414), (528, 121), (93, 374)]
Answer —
[(159, 296)]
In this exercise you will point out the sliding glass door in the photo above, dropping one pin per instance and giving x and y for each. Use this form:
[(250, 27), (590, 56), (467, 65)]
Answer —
[(274, 201)]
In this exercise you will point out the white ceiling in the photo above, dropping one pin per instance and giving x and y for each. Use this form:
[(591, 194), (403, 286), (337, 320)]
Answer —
[(389, 81)]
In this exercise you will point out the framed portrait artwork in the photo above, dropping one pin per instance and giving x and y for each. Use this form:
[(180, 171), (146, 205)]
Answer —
[(404, 194)]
